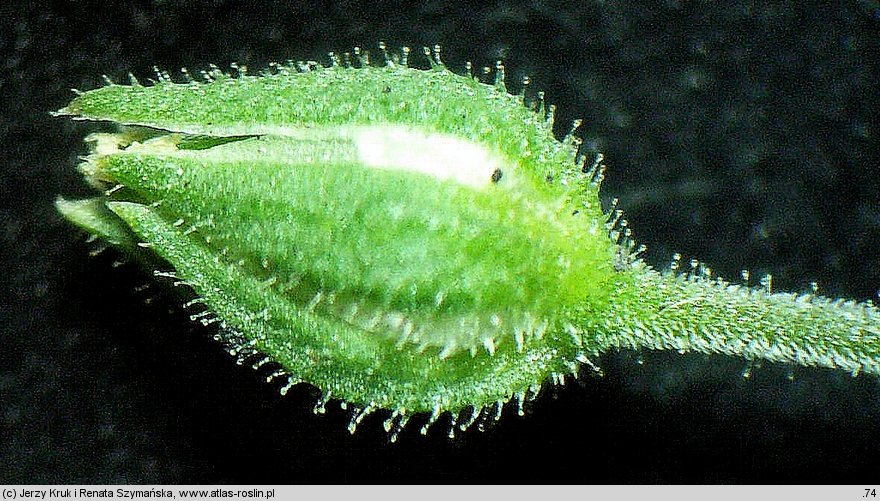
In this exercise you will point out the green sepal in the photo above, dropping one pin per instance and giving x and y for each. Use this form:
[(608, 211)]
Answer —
[(93, 216), (339, 360)]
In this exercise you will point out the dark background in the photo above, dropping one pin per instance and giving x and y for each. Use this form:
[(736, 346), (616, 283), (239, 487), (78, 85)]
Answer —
[(743, 133)]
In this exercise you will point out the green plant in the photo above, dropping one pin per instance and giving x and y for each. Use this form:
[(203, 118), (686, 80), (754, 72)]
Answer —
[(411, 240)]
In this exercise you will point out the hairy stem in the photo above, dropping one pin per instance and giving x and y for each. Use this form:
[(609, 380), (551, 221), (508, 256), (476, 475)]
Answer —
[(693, 313)]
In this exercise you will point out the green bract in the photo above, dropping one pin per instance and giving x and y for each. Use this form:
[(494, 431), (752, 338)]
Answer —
[(405, 239)]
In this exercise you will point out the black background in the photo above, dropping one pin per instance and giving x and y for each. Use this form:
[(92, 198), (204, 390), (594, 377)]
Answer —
[(742, 133)]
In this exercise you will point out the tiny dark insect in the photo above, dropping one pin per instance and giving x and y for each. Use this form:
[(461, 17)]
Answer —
[(496, 175)]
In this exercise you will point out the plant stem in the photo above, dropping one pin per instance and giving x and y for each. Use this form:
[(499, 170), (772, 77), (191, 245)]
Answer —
[(692, 313)]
